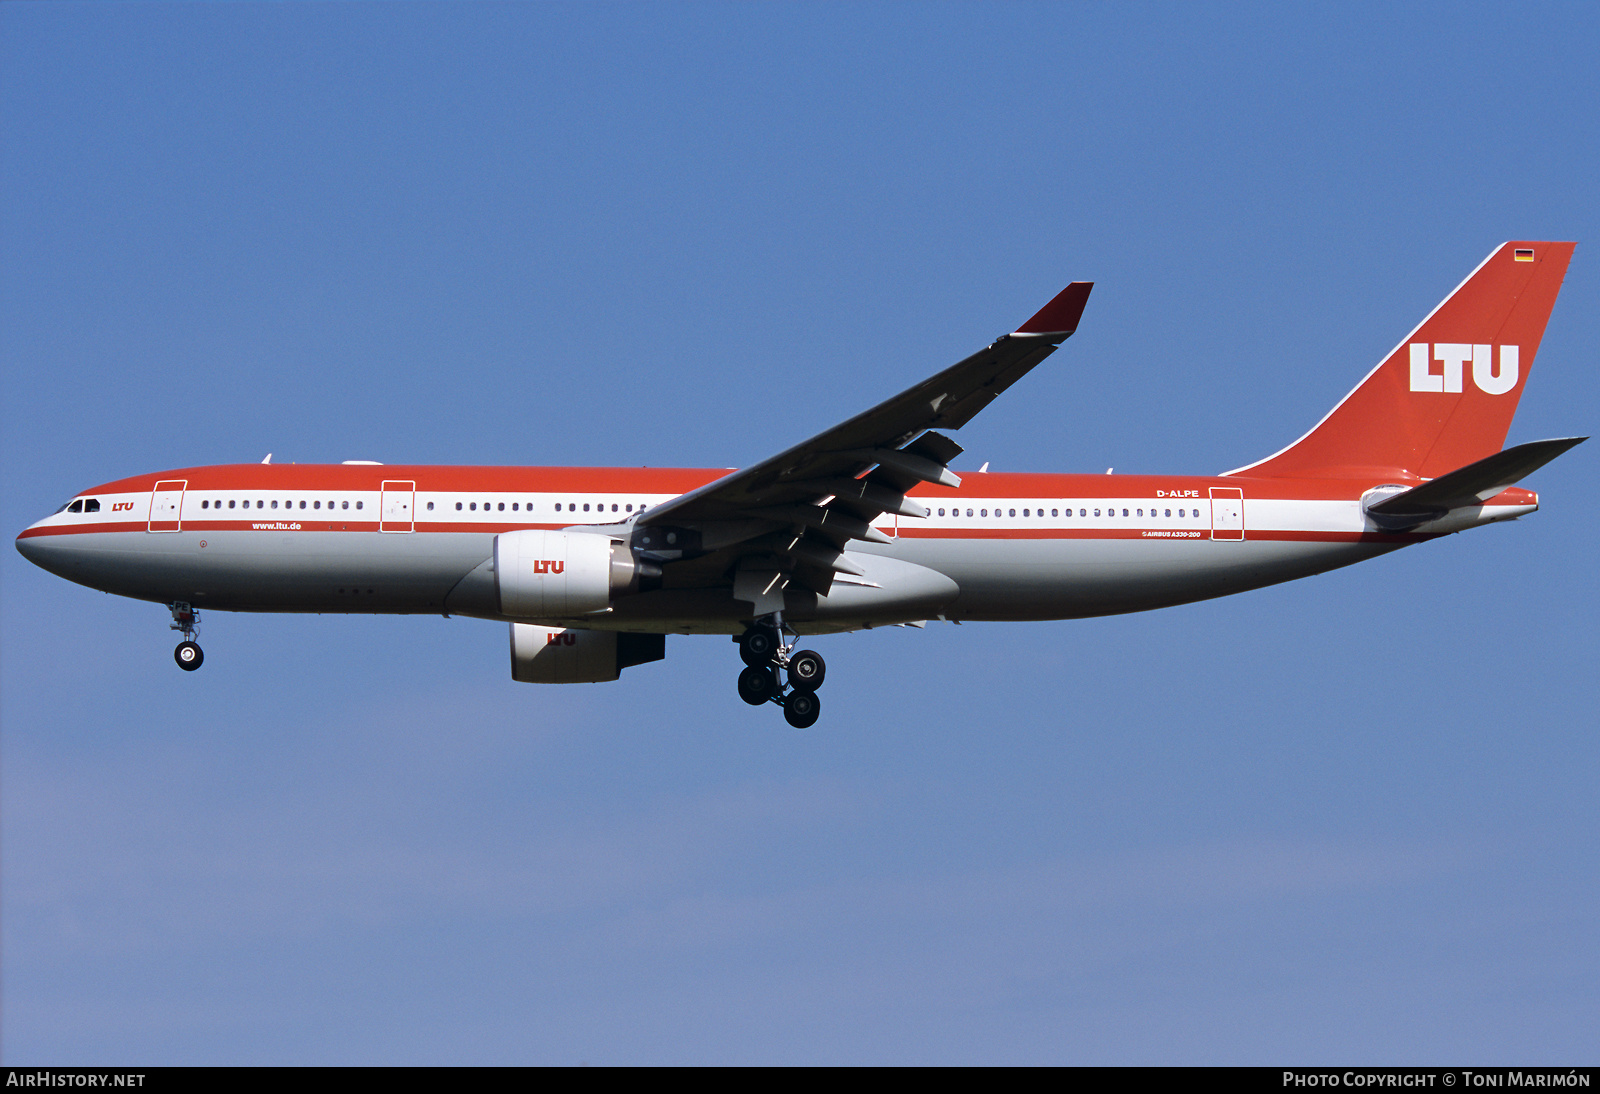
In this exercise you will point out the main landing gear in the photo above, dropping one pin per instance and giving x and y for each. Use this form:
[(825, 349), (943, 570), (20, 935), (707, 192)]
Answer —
[(774, 674), (186, 621)]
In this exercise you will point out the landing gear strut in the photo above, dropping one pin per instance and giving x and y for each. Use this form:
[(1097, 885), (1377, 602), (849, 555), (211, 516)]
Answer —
[(186, 621), (766, 653)]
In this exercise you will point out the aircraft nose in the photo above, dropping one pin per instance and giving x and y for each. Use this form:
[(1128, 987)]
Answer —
[(39, 550)]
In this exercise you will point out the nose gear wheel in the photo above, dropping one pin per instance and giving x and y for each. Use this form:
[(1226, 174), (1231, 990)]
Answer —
[(189, 656), (186, 621)]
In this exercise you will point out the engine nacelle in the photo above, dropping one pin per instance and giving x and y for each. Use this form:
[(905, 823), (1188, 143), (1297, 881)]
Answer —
[(555, 655), (541, 574)]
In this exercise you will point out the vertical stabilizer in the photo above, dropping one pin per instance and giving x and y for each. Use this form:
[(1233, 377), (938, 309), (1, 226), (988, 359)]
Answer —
[(1445, 396)]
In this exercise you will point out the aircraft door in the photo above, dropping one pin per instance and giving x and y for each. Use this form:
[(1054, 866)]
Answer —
[(1227, 512), (397, 507), (166, 506)]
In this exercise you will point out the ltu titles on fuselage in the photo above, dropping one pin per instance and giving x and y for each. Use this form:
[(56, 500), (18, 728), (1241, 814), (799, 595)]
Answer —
[(864, 525)]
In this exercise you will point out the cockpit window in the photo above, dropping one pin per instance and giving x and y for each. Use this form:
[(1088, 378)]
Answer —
[(91, 505), (76, 507)]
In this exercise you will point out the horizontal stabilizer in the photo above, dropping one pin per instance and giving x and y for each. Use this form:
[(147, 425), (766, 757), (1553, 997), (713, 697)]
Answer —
[(1469, 485)]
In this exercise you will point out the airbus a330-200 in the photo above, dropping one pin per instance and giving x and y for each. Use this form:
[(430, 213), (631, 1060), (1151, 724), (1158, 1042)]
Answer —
[(864, 525)]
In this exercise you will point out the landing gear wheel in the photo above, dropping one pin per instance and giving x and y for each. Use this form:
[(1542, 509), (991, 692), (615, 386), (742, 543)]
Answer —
[(188, 656), (757, 685), (801, 709), (759, 646), (806, 670)]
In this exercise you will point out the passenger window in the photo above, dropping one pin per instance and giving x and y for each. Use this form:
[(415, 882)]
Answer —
[(1124, 512), (1169, 512), (558, 507), (513, 507), (473, 507), (205, 505), (358, 505), (231, 504), (983, 512), (430, 507), (1097, 512), (941, 512), (502, 507), (316, 505), (585, 507), (458, 507), (1083, 512), (1180, 512), (1053, 513), (274, 503), (302, 505), (629, 507), (346, 505), (1013, 512)]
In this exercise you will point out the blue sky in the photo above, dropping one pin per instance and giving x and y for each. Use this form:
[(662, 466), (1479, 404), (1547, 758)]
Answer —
[(1347, 819)]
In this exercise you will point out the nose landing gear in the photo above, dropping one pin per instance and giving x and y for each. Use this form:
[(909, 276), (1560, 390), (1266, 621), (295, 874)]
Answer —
[(765, 653), (186, 621)]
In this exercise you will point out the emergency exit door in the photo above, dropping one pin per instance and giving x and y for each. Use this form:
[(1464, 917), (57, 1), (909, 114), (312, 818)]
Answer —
[(166, 506), (396, 507), (1227, 512)]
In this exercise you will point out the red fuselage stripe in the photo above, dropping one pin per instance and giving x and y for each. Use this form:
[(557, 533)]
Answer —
[(905, 533)]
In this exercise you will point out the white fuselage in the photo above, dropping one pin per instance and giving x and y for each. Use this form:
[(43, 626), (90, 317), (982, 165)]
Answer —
[(421, 540)]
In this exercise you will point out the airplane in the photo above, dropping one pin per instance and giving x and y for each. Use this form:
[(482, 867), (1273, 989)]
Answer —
[(864, 525)]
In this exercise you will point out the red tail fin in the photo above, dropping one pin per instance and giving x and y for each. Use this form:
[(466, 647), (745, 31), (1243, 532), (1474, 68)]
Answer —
[(1445, 396)]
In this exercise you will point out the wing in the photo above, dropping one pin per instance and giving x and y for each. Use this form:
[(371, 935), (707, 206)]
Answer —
[(789, 518)]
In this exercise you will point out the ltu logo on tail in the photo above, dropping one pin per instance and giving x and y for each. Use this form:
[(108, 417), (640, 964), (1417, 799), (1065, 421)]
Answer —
[(1453, 356)]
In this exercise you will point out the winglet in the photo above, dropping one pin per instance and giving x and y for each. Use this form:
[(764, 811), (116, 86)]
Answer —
[(1061, 315)]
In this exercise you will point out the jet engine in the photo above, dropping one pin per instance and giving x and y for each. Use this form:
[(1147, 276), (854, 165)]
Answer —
[(553, 655), (540, 574)]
